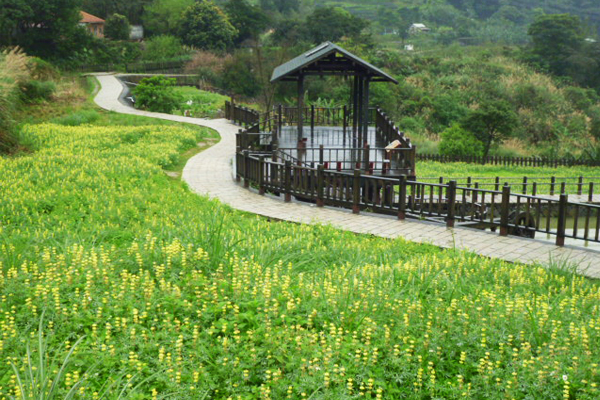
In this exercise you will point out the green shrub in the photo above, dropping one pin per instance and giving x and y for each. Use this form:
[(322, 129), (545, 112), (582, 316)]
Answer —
[(35, 90), (117, 27), (42, 70), (163, 47), (458, 142), (156, 94)]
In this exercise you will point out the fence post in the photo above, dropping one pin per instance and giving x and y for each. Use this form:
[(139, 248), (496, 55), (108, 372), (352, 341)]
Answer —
[(246, 168), (504, 211), (402, 200), (261, 175), (288, 181), (524, 185), (562, 219), (451, 198), (312, 119), (552, 184), (345, 122), (580, 186), (322, 154), (366, 156), (497, 184), (320, 185), (591, 192), (356, 192)]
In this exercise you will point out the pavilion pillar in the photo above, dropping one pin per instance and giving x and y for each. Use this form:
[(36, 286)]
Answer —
[(365, 126), (300, 107), (360, 109), (355, 111)]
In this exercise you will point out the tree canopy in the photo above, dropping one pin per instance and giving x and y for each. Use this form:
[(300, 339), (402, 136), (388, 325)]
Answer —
[(204, 25), (117, 27), (249, 20)]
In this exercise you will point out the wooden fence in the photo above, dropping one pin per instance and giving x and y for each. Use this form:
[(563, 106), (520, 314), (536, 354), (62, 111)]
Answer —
[(576, 185), (240, 115), (510, 213), (511, 161)]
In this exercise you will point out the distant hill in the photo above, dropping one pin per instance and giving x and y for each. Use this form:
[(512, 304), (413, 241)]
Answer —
[(488, 19)]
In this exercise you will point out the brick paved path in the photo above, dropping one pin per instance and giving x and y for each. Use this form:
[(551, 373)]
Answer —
[(210, 173)]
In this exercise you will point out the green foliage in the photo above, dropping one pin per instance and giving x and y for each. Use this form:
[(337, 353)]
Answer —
[(200, 104), (117, 27), (33, 90), (132, 9), (331, 24), (44, 28), (280, 6), (162, 47), (249, 20), (459, 142), (556, 38), (156, 94), (238, 75), (491, 122), (205, 26), (162, 17)]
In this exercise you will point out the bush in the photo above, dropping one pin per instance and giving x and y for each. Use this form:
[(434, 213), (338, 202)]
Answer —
[(162, 47), (78, 118), (458, 142), (156, 94), (35, 90), (42, 70), (239, 78)]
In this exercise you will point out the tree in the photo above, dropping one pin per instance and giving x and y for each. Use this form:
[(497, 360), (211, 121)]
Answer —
[(45, 28), (117, 27), (206, 26), (333, 23), (132, 9), (556, 38), (491, 123), (163, 17), (249, 20), (163, 47)]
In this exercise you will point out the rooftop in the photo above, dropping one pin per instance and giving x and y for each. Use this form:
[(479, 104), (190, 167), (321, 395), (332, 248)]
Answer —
[(87, 18)]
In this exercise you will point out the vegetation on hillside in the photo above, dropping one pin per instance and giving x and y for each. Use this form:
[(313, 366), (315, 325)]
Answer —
[(146, 282)]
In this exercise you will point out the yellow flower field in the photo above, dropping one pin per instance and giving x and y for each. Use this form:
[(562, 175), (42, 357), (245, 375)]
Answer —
[(160, 293)]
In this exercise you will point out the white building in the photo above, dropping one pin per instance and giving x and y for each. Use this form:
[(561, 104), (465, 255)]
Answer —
[(418, 28)]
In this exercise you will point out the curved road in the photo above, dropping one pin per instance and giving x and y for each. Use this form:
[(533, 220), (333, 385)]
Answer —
[(210, 173)]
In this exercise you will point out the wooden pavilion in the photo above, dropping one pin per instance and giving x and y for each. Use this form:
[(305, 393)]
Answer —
[(330, 59)]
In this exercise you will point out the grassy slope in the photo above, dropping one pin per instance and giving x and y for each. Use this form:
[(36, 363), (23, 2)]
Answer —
[(204, 104), (208, 302)]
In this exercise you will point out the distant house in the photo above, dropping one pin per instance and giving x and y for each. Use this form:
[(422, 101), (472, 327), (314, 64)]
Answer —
[(93, 24), (418, 28)]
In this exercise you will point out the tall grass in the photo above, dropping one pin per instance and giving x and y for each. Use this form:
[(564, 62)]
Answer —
[(14, 72)]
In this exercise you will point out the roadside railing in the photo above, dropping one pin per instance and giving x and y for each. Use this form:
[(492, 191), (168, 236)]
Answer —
[(510, 213)]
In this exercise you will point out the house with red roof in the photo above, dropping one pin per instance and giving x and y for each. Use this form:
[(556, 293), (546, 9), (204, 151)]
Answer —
[(93, 24)]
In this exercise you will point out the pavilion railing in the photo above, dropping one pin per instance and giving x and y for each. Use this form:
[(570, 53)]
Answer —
[(241, 115), (510, 213)]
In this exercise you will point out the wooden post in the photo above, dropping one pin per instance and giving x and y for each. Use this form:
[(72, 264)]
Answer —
[(504, 211), (312, 122), (320, 185), (345, 123), (524, 185), (246, 168), (367, 82), (402, 200), (261, 175), (552, 184), (288, 181), (280, 118), (321, 154), (562, 220), (591, 192), (451, 198), (366, 156), (580, 186), (300, 107), (497, 184), (356, 192)]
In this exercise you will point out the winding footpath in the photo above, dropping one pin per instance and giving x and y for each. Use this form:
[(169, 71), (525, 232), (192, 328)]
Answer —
[(210, 173)]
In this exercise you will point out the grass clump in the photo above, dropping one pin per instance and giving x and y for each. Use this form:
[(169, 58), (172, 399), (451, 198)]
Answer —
[(200, 301)]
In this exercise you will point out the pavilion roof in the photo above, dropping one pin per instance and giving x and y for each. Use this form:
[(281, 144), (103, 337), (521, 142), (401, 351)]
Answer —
[(329, 59)]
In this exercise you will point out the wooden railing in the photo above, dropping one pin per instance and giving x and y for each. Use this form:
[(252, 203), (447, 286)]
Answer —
[(511, 161), (510, 213), (576, 185), (242, 116)]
